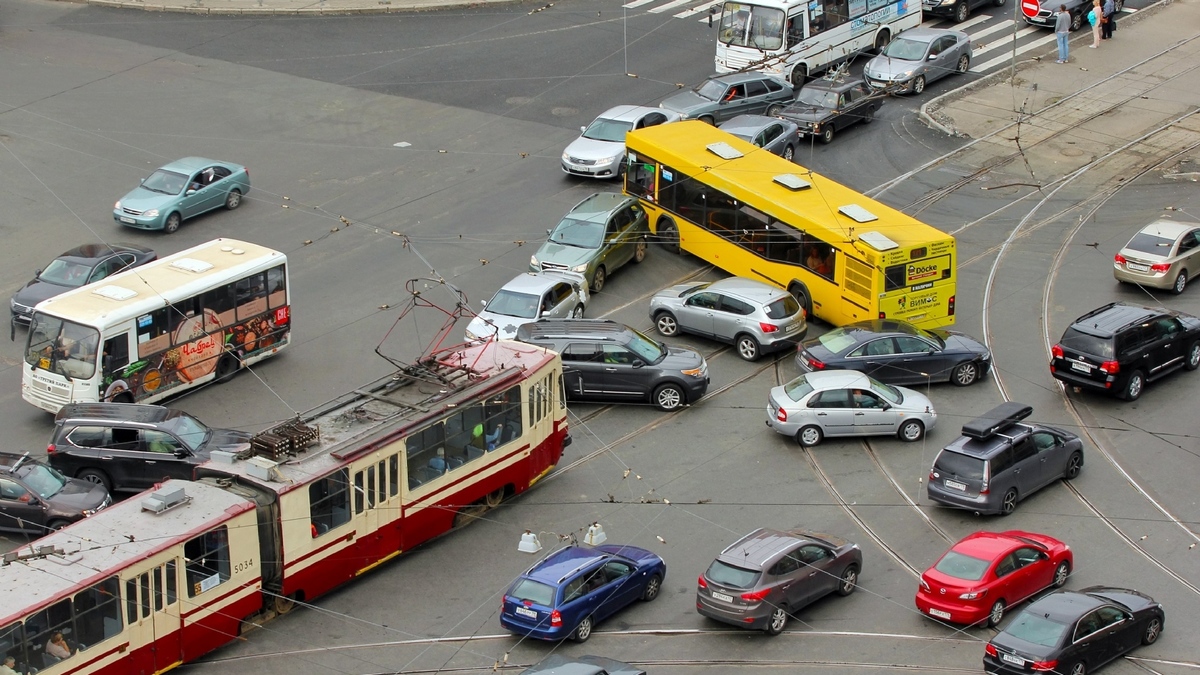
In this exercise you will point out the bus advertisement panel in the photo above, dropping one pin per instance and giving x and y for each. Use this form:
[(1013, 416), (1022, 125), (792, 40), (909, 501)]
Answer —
[(844, 256)]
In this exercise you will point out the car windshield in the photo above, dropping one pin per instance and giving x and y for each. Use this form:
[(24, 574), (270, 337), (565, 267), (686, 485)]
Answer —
[(509, 303), (166, 182), (1087, 344), (728, 575), (932, 337), (646, 349), (607, 130), (42, 479), (887, 391), (578, 233), (533, 591), (838, 340), (711, 90), (959, 465), (962, 566), (190, 430), (1036, 628), (61, 346), (798, 388), (906, 49), (783, 308), (1151, 243), (820, 98), (66, 273)]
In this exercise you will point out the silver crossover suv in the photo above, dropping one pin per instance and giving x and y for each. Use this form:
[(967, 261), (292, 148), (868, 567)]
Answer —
[(847, 403), (753, 316)]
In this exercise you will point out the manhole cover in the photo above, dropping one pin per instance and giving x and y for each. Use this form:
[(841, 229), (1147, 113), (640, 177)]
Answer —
[(564, 112)]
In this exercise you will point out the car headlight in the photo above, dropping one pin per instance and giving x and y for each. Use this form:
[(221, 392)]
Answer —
[(152, 213), (694, 372), (533, 261), (907, 73), (615, 158), (566, 157), (580, 268), (470, 335), (88, 513), (117, 206)]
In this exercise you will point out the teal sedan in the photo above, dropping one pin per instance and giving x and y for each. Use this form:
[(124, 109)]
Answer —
[(180, 190)]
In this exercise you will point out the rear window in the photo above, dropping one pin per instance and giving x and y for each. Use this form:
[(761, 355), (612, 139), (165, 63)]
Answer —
[(959, 465), (797, 388), (962, 566), (1037, 629), (1152, 244), (1087, 344), (783, 308), (838, 340), (728, 575), (533, 591)]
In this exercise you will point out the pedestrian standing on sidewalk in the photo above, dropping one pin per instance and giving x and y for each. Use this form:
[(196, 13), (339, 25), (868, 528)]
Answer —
[(1094, 17), (1110, 18), (1062, 31)]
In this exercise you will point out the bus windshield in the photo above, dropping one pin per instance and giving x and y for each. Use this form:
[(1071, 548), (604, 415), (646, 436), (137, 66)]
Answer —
[(62, 347), (745, 25)]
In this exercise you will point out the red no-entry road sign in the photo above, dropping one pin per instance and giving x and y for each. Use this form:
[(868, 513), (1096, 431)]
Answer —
[(1029, 8)]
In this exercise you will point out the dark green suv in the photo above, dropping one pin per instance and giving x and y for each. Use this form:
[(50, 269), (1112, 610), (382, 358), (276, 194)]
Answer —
[(599, 235)]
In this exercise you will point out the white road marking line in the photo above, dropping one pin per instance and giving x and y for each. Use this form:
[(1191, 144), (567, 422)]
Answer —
[(1004, 25), (1007, 40), (636, 3), (670, 5), (988, 65), (970, 22), (695, 10)]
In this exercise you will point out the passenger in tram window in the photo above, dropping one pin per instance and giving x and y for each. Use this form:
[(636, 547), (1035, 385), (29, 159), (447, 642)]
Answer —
[(58, 647), (9, 667)]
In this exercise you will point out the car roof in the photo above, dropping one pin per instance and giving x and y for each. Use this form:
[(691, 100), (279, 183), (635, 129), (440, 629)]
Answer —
[(762, 546), (533, 282), (140, 413), (1171, 229), (838, 85), (930, 34), (557, 566), (190, 164), (738, 78), (627, 113), (549, 329), (749, 124), (837, 379), (748, 289), (597, 207), (1065, 606), (990, 545), (1111, 319), (92, 252), (863, 331)]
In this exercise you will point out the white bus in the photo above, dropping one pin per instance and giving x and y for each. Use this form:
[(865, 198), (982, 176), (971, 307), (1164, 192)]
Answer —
[(156, 330), (795, 39)]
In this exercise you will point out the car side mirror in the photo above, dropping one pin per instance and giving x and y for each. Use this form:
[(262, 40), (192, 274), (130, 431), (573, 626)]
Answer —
[(181, 453), (483, 303), (932, 57), (37, 273), (190, 192), (638, 363), (582, 129)]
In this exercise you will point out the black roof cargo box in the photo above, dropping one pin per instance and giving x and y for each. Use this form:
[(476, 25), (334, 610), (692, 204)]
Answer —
[(1001, 417)]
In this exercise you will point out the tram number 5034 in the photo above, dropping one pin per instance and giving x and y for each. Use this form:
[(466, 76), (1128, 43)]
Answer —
[(244, 566)]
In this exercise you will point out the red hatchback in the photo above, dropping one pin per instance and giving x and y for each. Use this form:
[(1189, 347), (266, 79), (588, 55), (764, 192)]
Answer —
[(987, 572)]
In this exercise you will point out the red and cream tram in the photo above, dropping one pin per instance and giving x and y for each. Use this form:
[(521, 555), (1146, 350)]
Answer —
[(165, 577)]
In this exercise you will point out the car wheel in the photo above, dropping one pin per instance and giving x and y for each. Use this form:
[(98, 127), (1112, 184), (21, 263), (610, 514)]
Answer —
[(227, 367), (668, 397), (639, 251), (1153, 630), (848, 582), (598, 279), (233, 199), (652, 588), (964, 64), (962, 11), (1133, 388), (172, 223), (1074, 466), (1193, 357), (1061, 573), (1008, 503), (965, 374), (789, 153), (583, 631), (747, 348), (777, 622), (1079, 669), (709, 120), (1180, 283), (918, 85), (774, 109), (669, 236), (577, 313), (995, 614), (56, 525), (96, 477), (799, 76), (912, 431), (809, 436), (1076, 22), (869, 115), (827, 134), (666, 324)]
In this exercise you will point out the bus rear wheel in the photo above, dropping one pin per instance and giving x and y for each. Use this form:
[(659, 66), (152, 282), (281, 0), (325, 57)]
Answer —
[(669, 236), (227, 367), (801, 295), (881, 40), (799, 76)]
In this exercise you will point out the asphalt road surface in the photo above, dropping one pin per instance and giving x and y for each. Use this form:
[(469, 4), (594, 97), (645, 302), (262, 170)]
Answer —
[(92, 100)]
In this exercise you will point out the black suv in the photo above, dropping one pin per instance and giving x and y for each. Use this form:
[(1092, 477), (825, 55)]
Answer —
[(130, 447), (998, 461), (34, 498), (608, 361), (1119, 348)]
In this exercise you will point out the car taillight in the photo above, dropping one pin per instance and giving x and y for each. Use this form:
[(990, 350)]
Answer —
[(556, 619), (1110, 367), (781, 415), (814, 364), (1160, 267), (924, 586), (991, 650), (768, 327), (1056, 351), (756, 596), (1044, 666), (951, 305), (701, 582), (973, 595), (50, 449), (883, 315), (1119, 259)]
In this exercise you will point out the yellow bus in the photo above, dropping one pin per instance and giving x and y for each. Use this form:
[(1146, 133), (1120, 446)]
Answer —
[(844, 256)]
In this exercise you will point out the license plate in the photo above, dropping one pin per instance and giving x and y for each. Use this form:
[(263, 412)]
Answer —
[(131, 221), (939, 614), (1009, 658), (1138, 268), (955, 485), (722, 596), (1081, 367), (525, 611)]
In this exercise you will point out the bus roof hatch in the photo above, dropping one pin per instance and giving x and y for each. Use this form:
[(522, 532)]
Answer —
[(878, 241)]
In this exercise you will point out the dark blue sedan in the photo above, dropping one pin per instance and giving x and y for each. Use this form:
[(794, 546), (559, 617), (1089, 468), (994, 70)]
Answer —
[(568, 592)]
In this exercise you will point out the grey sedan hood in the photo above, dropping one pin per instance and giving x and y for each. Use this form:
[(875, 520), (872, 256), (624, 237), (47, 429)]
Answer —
[(888, 67), (587, 148), (688, 103)]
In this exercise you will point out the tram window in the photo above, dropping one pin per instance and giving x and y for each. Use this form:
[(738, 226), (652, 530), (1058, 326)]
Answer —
[(426, 451), (207, 560), (393, 475), (329, 502), (41, 627), (171, 583), (12, 643), (131, 601), (372, 490), (158, 589), (98, 612), (144, 588), (382, 481), (358, 492)]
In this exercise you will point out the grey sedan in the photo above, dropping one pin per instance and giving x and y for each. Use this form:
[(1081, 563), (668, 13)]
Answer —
[(847, 403), (917, 57), (753, 316), (772, 134), (529, 297), (723, 97)]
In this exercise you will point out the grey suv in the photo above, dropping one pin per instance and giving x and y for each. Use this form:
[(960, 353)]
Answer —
[(34, 498), (130, 447), (998, 461), (768, 575), (753, 316), (607, 361)]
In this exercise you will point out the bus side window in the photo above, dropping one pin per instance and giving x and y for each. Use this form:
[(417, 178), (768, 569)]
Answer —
[(276, 287), (218, 303), (152, 332), (116, 353), (795, 30), (251, 296)]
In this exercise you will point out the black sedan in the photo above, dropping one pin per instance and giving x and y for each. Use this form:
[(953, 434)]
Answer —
[(824, 107), (1074, 632), (81, 265), (897, 352)]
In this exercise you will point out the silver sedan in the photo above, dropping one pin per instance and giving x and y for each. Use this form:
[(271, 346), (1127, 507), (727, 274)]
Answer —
[(847, 403), (917, 57), (775, 135)]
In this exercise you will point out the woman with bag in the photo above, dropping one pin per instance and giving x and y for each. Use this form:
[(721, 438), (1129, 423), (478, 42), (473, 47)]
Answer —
[(1109, 22), (1094, 17)]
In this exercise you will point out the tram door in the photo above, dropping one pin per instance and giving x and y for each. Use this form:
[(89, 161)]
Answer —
[(152, 610), (370, 488)]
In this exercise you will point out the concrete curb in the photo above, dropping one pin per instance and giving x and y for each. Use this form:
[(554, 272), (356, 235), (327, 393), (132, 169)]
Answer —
[(929, 108), (316, 8)]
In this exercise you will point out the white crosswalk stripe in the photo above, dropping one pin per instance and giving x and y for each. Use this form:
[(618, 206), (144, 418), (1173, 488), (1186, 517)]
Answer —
[(1006, 42), (1003, 25), (1045, 41), (961, 26), (696, 10), (637, 3), (670, 5)]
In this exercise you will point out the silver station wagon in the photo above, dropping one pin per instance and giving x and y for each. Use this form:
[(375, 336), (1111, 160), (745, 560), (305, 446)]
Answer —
[(753, 316), (847, 403)]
